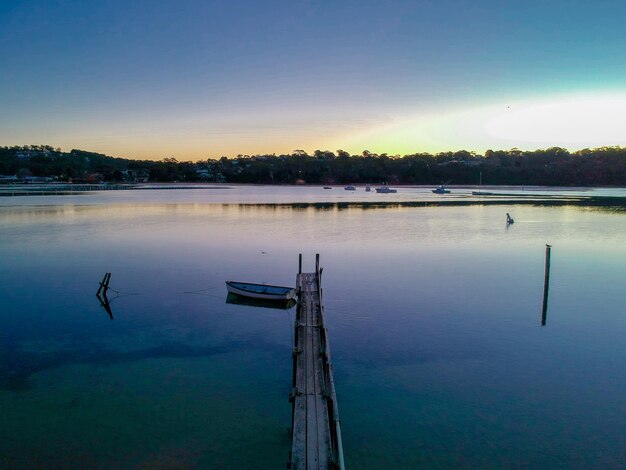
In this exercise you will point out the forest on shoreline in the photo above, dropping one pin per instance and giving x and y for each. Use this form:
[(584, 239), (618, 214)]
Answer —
[(604, 166)]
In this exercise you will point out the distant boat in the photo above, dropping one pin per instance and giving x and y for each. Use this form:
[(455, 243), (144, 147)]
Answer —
[(327, 187), (440, 190), (386, 190), (368, 188), (350, 188), (260, 291), (479, 192)]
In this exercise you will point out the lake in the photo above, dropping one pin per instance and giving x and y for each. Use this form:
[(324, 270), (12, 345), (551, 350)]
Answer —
[(434, 316)]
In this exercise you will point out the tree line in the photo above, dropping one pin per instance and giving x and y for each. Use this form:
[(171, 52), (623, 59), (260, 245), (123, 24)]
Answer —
[(604, 166)]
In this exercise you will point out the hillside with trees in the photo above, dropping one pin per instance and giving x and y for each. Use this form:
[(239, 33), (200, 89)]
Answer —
[(605, 166)]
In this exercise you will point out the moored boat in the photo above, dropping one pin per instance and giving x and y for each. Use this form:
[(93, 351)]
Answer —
[(479, 192), (386, 190), (260, 291), (441, 190)]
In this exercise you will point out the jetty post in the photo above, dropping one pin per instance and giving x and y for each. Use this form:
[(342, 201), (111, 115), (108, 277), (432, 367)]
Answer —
[(546, 286)]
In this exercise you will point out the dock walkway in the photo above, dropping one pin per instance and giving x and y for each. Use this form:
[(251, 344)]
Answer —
[(316, 428)]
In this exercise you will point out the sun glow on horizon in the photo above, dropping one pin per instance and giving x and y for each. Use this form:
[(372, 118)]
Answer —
[(572, 122)]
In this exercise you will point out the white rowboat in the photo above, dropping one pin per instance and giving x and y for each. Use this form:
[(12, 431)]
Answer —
[(260, 291)]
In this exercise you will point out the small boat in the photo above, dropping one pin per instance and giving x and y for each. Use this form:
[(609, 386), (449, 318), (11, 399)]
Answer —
[(479, 192), (327, 187), (386, 190), (350, 188), (260, 291), (440, 190)]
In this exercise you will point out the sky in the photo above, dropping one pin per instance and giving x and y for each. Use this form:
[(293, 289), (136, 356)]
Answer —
[(203, 79)]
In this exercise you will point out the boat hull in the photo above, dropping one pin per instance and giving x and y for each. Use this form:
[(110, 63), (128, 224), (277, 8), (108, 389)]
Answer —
[(260, 291)]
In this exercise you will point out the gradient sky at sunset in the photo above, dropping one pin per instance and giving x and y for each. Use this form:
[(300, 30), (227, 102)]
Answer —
[(196, 79)]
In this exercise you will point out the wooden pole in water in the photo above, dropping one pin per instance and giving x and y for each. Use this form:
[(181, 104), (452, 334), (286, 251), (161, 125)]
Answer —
[(546, 286), (104, 284), (317, 263), (106, 287), (300, 263)]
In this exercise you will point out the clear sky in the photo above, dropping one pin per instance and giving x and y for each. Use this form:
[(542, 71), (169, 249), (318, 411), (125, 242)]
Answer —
[(195, 79)]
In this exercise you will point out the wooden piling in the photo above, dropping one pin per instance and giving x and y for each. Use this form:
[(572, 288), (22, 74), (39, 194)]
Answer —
[(546, 286), (104, 284), (102, 294)]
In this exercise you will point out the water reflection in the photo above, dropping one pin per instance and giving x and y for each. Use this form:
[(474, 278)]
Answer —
[(427, 309), (104, 301), (250, 302)]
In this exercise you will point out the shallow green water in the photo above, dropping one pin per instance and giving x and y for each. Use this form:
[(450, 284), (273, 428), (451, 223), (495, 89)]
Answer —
[(434, 318)]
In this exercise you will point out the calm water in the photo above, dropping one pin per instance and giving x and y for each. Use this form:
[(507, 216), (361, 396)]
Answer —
[(434, 317)]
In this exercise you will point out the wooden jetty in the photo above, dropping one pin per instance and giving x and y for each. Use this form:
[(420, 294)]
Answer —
[(316, 430)]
